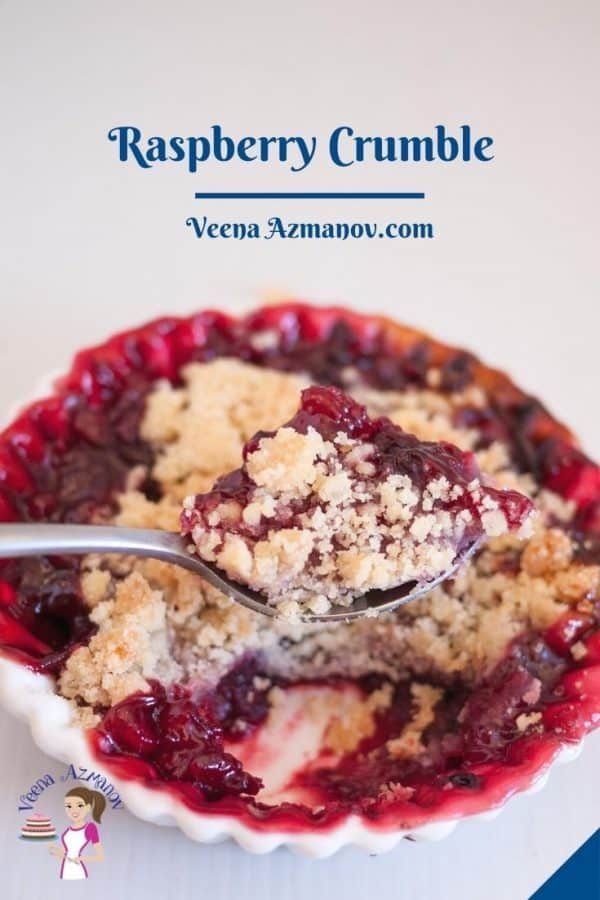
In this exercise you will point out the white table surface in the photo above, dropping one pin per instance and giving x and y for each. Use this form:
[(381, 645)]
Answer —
[(88, 246)]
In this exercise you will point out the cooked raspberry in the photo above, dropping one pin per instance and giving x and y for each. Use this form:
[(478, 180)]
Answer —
[(179, 738)]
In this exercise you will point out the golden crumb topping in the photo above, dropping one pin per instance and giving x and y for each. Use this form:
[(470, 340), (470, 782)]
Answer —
[(425, 698), (320, 514), (348, 728), (129, 647), (221, 405)]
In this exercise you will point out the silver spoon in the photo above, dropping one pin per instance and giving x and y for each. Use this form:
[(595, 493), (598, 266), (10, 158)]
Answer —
[(32, 539)]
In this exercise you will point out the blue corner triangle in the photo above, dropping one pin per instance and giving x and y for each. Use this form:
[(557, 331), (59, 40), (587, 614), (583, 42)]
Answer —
[(578, 878)]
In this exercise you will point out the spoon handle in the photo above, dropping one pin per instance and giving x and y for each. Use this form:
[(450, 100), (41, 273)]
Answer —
[(35, 539)]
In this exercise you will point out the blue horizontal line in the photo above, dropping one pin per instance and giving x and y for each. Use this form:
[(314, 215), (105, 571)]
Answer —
[(314, 195)]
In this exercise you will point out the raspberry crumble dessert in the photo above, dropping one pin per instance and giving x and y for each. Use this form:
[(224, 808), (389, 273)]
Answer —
[(442, 708), (334, 504)]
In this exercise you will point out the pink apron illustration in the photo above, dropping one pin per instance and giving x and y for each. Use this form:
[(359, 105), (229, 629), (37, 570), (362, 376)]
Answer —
[(81, 834)]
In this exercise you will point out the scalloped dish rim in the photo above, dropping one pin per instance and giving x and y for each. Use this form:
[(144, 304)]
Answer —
[(31, 697)]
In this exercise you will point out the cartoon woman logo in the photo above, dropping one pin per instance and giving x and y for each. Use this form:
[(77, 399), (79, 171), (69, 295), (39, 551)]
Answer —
[(79, 804)]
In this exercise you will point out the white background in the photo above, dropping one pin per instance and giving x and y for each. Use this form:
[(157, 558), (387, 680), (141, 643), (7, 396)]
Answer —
[(90, 245)]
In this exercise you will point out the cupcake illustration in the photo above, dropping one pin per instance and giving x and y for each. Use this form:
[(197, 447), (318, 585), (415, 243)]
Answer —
[(38, 827), (81, 804)]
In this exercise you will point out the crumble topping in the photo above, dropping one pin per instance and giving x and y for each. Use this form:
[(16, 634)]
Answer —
[(129, 647), (158, 621), (347, 731), (425, 699), (424, 412), (335, 504), (579, 651), (548, 552), (526, 720), (220, 407)]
